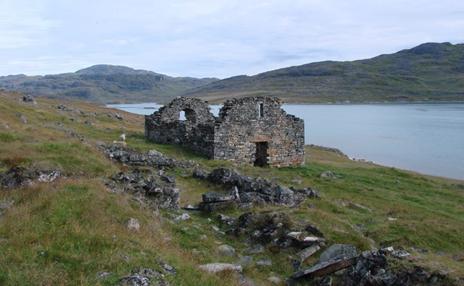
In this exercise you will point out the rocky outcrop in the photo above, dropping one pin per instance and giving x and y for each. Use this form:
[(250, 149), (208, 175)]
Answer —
[(373, 268), (154, 188), (272, 230), (144, 277), (133, 158), (20, 177), (256, 190), (213, 201)]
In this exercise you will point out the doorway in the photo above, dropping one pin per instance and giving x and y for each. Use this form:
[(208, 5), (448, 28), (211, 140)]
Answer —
[(261, 156)]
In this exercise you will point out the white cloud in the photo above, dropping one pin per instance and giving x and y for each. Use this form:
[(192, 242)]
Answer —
[(214, 38)]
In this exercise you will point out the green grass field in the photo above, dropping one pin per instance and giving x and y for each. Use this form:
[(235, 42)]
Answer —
[(66, 232)]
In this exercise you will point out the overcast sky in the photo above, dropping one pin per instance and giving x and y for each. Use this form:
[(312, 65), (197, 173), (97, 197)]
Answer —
[(213, 37)]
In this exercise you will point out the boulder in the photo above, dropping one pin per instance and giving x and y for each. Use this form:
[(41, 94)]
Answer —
[(184, 216), (323, 268), (47, 177), (220, 267), (147, 186), (217, 206), (307, 252), (143, 277), (212, 197), (226, 250), (200, 174), (338, 251), (28, 98), (328, 175), (264, 262), (133, 224)]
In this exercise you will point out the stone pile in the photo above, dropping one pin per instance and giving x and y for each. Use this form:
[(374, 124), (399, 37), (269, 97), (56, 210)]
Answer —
[(275, 231), (158, 190), (144, 277), (256, 190), (342, 265), (213, 201), (17, 177), (29, 99), (130, 157)]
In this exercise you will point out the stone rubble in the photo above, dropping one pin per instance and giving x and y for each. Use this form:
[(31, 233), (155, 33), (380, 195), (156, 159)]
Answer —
[(371, 268), (147, 186), (249, 190), (144, 277), (16, 177), (133, 158)]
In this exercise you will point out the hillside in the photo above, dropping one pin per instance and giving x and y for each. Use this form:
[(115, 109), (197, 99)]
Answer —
[(75, 209), (104, 84), (428, 72)]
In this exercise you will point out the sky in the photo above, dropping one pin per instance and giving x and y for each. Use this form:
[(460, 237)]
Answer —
[(214, 38)]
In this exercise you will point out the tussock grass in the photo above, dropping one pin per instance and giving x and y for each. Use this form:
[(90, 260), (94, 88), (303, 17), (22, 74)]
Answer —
[(66, 232)]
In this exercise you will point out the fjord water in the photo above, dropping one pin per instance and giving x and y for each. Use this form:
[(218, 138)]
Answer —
[(428, 138)]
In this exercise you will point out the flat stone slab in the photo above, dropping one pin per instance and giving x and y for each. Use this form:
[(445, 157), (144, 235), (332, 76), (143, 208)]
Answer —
[(216, 206), (212, 197), (306, 253), (324, 268), (220, 267)]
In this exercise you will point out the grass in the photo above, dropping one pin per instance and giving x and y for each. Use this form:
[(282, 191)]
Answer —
[(66, 232)]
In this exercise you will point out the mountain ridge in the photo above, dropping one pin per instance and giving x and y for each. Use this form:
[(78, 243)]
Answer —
[(104, 84), (427, 72)]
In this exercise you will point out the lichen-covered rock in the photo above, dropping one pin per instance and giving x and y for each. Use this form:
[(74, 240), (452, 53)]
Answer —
[(133, 158), (258, 190), (226, 250), (371, 268), (144, 277), (148, 186), (220, 267), (20, 177), (338, 251)]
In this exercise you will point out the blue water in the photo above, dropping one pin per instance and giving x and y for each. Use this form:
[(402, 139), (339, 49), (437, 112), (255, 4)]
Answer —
[(428, 138)]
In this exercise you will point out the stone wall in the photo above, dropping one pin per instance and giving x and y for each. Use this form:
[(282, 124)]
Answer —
[(245, 127), (241, 125), (195, 132)]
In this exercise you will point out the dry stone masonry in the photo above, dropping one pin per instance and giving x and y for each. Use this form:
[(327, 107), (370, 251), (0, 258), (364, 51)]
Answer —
[(251, 130)]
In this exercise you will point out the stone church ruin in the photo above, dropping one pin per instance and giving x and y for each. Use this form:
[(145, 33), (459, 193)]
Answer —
[(251, 130)]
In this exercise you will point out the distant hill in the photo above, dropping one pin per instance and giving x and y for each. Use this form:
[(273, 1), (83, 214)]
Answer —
[(428, 72), (105, 84)]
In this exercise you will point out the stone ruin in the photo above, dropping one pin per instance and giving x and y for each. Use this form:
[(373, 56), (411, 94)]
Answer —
[(251, 130)]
